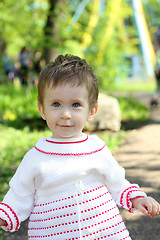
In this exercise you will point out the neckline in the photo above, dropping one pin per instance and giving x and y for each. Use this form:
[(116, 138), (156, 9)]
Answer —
[(84, 145), (83, 138)]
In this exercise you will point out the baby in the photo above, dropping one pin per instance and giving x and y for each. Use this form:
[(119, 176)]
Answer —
[(69, 184)]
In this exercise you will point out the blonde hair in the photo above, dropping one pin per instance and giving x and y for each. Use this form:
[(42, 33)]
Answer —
[(69, 69)]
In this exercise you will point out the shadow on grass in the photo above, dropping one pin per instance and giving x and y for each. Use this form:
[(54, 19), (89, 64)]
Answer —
[(36, 123)]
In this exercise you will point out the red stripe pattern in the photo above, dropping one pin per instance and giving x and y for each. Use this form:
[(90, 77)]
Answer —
[(128, 194), (90, 214), (70, 154), (50, 141), (10, 217)]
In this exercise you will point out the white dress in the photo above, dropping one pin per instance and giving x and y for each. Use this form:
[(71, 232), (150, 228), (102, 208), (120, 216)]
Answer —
[(70, 189)]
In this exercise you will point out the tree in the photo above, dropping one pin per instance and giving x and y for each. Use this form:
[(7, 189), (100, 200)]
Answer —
[(50, 35), (21, 23), (111, 43), (151, 9)]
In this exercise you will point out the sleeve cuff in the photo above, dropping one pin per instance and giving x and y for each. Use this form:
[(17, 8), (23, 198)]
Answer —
[(129, 194), (8, 215)]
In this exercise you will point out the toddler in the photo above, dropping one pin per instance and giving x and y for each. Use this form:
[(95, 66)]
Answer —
[(69, 184)]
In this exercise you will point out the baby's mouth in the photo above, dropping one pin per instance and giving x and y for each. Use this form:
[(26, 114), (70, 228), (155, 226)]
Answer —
[(65, 125)]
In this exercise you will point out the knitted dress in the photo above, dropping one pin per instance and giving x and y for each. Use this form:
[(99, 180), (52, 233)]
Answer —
[(70, 189)]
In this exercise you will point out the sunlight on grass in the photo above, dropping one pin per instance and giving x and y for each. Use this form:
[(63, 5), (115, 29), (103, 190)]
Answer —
[(134, 86)]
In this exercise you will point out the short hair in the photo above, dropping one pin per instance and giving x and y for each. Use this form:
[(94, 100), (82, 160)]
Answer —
[(69, 69)]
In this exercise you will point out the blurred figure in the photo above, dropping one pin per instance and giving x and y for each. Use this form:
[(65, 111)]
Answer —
[(38, 64), (156, 42), (9, 67), (24, 59)]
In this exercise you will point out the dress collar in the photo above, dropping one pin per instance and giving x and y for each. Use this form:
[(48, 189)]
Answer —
[(83, 145), (83, 138)]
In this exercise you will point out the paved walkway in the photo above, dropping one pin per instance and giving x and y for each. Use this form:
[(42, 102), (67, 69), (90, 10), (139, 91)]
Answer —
[(140, 155)]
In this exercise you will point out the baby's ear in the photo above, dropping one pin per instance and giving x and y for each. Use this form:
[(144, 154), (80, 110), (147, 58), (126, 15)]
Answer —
[(41, 110), (93, 112)]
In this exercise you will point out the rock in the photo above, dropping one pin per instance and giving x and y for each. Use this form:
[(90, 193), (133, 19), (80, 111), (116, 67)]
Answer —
[(108, 115)]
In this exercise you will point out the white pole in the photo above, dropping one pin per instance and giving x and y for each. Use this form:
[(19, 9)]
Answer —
[(143, 36)]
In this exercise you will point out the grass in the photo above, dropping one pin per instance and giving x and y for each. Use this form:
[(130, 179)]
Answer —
[(134, 85)]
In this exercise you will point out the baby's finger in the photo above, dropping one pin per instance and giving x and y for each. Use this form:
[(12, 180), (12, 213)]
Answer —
[(158, 209), (152, 207), (143, 209)]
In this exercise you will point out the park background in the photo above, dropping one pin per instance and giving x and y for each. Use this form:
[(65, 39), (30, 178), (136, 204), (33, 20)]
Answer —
[(105, 33)]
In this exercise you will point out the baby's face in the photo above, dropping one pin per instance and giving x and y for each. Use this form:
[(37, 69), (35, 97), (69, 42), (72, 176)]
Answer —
[(66, 110)]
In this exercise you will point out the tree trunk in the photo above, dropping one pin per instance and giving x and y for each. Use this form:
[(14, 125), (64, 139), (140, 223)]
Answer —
[(50, 33), (2, 46)]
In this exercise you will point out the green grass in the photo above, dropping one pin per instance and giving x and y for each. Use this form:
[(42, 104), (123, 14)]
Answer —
[(132, 109), (134, 86), (17, 102)]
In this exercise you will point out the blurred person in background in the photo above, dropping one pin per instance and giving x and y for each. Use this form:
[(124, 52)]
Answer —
[(156, 43), (25, 61)]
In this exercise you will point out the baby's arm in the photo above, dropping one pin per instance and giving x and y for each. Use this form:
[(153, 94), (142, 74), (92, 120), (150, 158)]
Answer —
[(146, 205), (18, 202)]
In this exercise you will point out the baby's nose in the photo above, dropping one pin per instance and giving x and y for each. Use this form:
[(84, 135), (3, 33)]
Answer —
[(66, 114)]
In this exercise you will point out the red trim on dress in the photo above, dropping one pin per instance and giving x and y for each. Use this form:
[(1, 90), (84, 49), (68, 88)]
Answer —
[(73, 222), (129, 199), (14, 214), (67, 142), (88, 235), (122, 195), (69, 154), (11, 227), (75, 204), (70, 197)]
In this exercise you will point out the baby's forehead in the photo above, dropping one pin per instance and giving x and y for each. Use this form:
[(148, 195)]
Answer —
[(66, 85), (66, 93), (73, 83)]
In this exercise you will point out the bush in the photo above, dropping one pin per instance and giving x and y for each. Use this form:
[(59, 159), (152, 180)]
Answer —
[(17, 102)]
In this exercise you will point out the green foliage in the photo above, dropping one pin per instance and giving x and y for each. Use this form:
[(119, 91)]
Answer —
[(113, 140), (21, 23), (18, 102), (151, 10), (133, 86), (68, 34), (111, 61), (132, 109)]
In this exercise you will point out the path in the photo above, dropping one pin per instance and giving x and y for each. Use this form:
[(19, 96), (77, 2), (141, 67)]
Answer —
[(140, 155)]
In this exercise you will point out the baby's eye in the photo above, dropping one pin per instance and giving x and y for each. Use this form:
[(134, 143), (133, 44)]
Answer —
[(56, 104), (76, 105)]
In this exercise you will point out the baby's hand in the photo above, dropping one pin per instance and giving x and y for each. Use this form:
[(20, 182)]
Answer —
[(146, 205), (2, 223)]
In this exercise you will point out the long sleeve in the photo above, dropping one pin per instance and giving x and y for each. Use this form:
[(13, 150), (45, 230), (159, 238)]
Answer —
[(18, 202), (122, 191)]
